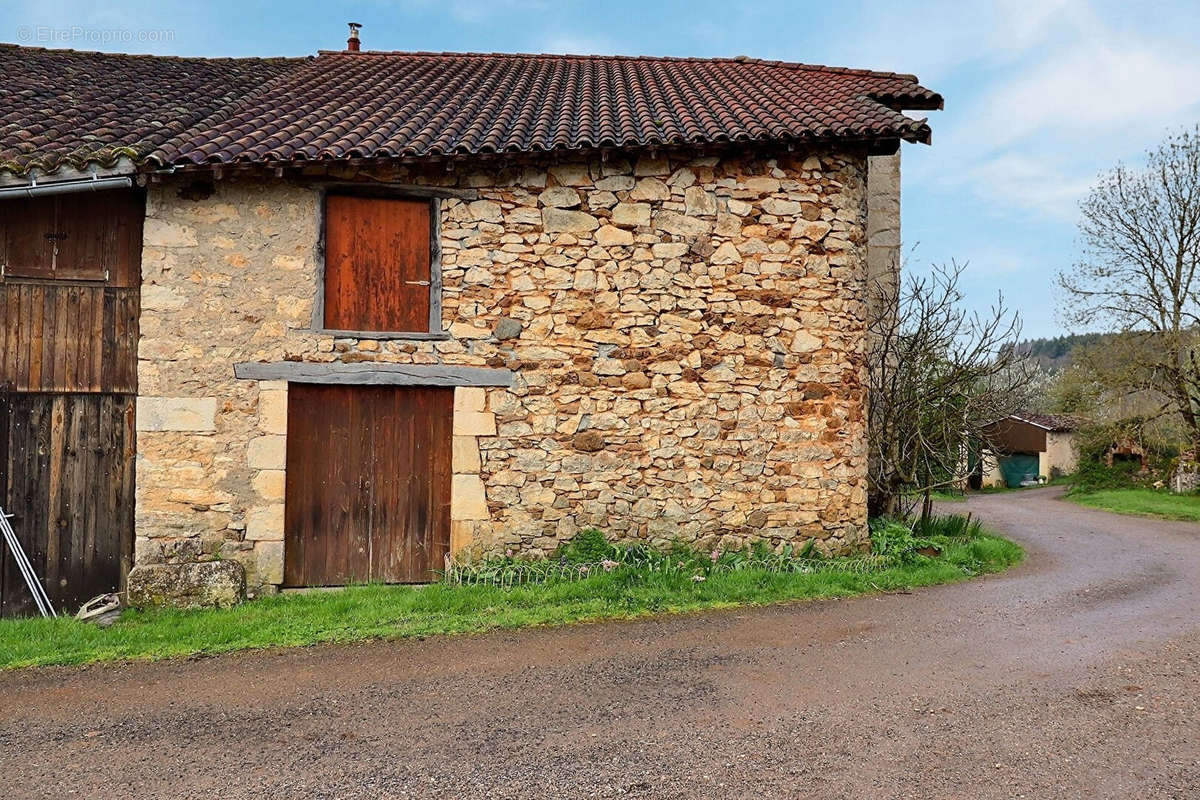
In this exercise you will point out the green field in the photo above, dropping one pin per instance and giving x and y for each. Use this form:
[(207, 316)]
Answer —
[(1143, 502), (394, 612)]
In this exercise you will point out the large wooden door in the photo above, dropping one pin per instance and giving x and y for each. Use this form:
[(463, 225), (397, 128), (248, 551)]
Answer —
[(368, 484), (69, 300), (67, 476)]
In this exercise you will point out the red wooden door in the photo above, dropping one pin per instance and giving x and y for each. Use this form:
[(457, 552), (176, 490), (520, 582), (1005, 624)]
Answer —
[(368, 484), (377, 264)]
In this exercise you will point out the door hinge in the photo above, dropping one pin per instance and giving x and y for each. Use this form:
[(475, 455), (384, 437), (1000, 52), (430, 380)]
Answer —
[(417, 283)]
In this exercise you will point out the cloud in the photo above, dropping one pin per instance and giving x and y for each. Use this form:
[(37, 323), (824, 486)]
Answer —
[(1028, 184), (1035, 134), (1090, 87)]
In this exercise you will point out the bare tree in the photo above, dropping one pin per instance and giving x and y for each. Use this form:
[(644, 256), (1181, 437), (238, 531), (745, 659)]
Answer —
[(939, 376), (1140, 235)]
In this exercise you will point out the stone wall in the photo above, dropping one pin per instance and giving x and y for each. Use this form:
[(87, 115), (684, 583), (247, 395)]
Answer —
[(687, 337)]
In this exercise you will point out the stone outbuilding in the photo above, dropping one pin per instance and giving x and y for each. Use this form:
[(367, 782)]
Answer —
[(389, 308)]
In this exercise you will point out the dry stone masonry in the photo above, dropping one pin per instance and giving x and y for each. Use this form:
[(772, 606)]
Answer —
[(686, 335)]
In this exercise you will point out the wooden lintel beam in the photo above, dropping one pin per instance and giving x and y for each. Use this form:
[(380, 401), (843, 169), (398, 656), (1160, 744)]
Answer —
[(372, 374)]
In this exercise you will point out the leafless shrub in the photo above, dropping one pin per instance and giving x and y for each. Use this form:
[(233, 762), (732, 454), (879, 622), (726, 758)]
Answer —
[(938, 376)]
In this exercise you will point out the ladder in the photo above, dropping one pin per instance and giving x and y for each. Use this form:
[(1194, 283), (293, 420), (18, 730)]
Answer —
[(40, 598)]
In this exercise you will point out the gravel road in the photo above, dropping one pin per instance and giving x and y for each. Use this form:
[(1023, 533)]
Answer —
[(1074, 675)]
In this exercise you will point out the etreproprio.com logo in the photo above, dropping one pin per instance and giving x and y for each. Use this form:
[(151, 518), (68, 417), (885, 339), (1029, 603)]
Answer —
[(79, 34)]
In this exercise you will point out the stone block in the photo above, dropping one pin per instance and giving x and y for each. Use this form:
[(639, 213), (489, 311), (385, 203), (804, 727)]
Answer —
[(206, 584), (804, 342), (161, 298), (268, 558), (267, 452), (631, 215), (650, 189), (615, 183), (681, 224), (272, 412), (270, 484), (611, 235), (697, 201), (467, 498), (726, 254), (462, 535), (469, 398), (571, 174), (556, 220), (474, 423), (163, 233), (486, 211), (651, 166), (559, 197), (183, 414), (465, 455), (265, 523), (507, 328)]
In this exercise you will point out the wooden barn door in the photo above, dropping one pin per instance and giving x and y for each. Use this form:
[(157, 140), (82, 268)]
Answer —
[(69, 300), (368, 484)]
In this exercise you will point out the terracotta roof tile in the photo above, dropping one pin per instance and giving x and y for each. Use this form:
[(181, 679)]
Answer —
[(74, 107), (69, 107)]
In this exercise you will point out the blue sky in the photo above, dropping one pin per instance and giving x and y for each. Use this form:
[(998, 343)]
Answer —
[(1041, 95)]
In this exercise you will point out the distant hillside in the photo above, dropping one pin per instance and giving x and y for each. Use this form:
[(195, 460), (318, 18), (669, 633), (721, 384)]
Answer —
[(1054, 354)]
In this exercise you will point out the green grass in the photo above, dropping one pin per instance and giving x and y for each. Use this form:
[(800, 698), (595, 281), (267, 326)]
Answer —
[(1143, 502), (396, 612), (940, 497)]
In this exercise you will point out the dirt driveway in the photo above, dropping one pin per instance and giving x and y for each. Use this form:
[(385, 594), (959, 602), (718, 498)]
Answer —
[(1075, 675)]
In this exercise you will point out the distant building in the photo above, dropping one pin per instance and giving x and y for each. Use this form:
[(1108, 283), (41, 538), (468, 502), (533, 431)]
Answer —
[(1024, 446)]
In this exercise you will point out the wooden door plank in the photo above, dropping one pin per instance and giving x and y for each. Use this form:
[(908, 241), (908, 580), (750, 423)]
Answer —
[(391, 466), (50, 349), (54, 489), (361, 507), (62, 339), (5, 472), (441, 472), (22, 354)]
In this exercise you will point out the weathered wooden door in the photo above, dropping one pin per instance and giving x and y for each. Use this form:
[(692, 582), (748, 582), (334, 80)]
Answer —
[(69, 297), (368, 484)]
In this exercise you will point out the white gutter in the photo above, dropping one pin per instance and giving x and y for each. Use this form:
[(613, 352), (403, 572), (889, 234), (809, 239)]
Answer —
[(93, 184)]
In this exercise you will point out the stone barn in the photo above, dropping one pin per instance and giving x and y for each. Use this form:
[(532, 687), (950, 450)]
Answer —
[(391, 308)]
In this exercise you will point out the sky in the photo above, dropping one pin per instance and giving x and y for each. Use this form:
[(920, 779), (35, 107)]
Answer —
[(1042, 96)]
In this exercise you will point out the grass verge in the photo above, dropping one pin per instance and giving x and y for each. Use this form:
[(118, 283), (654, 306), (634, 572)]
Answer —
[(395, 612), (1142, 502)]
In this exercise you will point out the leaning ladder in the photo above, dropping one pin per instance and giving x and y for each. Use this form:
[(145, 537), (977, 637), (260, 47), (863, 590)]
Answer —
[(35, 586)]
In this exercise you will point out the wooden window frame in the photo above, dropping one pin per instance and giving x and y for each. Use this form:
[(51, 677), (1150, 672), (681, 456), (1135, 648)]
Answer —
[(433, 197)]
